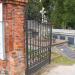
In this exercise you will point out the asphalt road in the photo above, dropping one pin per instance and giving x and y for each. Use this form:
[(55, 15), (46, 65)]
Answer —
[(66, 51)]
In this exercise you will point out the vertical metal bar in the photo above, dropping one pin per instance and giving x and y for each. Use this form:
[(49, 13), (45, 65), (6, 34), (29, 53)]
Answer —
[(26, 28), (43, 38), (46, 38), (30, 41), (50, 40), (48, 44), (27, 48), (26, 38), (43, 32), (36, 57), (34, 36), (38, 43), (33, 40)]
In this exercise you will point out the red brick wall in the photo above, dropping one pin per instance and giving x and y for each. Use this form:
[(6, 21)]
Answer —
[(14, 22), (2, 67)]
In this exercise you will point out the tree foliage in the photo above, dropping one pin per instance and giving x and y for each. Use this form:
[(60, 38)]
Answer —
[(60, 12), (34, 8)]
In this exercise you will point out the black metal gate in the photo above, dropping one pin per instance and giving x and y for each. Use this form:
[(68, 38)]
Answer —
[(38, 42)]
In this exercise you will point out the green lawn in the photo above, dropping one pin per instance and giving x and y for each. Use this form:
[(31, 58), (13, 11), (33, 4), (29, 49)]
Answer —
[(59, 59)]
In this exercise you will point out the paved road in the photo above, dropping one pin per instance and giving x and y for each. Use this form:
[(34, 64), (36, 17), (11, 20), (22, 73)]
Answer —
[(60, 70), (64, 50)]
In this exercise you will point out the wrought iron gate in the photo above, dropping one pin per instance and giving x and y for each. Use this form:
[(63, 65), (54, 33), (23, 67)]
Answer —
[(38, 43)]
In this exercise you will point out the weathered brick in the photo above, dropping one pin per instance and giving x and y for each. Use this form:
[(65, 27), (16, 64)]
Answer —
[(14, 21)]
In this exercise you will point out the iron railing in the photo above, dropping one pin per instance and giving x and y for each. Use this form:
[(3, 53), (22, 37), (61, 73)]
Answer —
[(38, 43)]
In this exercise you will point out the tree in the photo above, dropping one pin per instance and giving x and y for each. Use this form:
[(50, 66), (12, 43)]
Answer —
[(69, 6), (34, 8), (60, 12)]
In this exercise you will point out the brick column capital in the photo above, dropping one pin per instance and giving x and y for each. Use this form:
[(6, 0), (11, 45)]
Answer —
[(16, 2)]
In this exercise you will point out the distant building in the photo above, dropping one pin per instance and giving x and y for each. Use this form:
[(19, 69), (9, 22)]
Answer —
[(64, 34)]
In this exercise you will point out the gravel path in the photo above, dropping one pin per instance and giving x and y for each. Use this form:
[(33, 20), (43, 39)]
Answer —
[(61, 70)]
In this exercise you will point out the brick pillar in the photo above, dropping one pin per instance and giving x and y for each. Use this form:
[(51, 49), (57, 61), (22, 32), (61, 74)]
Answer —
[(14, 22)]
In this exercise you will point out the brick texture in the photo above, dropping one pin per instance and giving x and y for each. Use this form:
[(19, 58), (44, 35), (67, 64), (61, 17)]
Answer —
[(14, 22)]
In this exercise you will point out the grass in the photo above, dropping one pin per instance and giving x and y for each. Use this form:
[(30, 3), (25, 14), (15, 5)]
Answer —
[(72, 47), (59, 59)]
